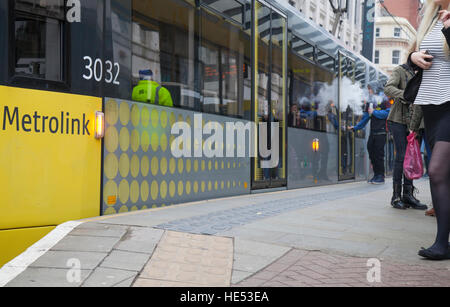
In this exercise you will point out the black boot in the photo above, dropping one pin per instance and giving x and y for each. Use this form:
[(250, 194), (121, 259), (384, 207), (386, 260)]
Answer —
[(410, 201), (397, 202)]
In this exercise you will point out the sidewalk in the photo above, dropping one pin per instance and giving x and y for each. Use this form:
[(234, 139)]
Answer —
[(320, 236)]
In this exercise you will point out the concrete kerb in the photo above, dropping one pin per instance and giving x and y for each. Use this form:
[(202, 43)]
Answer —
[(19, 264)]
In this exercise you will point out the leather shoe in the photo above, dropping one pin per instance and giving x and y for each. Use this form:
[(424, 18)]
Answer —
[(432, 255)]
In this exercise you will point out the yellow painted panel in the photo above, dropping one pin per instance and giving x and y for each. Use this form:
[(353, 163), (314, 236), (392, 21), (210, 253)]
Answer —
[(15, 242), (50, 161)]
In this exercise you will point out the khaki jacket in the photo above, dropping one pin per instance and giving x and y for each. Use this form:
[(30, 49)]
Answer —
[(402, 111)]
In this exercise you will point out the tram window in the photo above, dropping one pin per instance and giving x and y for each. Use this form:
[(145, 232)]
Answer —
[(200, 56), (312, 89), (325, 60), (312, 97), (228, 8), (38, 39), (225, 53), (164, 46), (302, 48), (361, 73), (48, 8), (372, 74), (209, 57)]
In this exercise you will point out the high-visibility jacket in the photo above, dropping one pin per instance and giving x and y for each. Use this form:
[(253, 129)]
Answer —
[(151, 92)]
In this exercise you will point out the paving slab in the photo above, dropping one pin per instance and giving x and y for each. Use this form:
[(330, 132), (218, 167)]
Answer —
[(60, 259), (104, 277), (99, 230), (125, 261), (86, 244), (140, 240), (49, 277), (189, 259)]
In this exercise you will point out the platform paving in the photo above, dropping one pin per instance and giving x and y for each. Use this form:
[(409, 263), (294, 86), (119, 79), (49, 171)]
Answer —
[(320, 237)]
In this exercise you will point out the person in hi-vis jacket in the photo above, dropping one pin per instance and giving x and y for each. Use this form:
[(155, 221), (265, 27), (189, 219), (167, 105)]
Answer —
[(149, 91)]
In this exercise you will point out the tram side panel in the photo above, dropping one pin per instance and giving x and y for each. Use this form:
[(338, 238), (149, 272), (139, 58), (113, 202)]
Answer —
[(146, 167), (50, 160)]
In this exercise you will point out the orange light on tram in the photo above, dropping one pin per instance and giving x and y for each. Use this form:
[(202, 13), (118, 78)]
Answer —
[(99, 125), (391, 101), (316, 145)]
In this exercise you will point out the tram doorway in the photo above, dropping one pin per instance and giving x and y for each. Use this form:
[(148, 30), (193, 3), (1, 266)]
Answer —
[(346, 119), (270, 96)]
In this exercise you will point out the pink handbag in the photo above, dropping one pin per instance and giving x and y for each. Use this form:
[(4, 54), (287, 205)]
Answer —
[(413, 165)]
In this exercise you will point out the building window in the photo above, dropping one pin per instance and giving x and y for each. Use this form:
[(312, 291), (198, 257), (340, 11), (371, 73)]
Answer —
[(397, 32), (396, 57), (38, 39), (377, 57), (357, 12), (377, 32)]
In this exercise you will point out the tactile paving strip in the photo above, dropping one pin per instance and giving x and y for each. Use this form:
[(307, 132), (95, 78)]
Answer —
[(185, 260), (226, 220)]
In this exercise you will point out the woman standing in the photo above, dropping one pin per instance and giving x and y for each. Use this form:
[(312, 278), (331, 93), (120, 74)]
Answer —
[(433, 55), (400, 124)]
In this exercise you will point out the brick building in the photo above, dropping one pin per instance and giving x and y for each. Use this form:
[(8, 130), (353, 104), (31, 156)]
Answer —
[(394, 32), (408, 9)]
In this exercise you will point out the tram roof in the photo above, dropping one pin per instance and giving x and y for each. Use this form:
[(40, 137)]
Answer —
[(317, 35)]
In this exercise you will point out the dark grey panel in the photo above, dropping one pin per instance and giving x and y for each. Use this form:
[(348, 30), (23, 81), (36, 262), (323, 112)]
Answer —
[(117, 44), (3, 41), (361, 159), (86, 40), (309, 168)]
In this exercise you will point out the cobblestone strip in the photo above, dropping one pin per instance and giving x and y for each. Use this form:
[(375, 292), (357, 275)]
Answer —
[(187, 260), (315, 269), (221, 221)]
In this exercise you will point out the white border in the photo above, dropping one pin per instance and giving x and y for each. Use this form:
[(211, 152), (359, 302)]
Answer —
[(16, 266)]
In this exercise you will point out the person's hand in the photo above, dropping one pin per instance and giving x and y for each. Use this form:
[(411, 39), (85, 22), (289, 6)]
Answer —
[(445, 18), (420, 59), (370, 111), (351, 128)]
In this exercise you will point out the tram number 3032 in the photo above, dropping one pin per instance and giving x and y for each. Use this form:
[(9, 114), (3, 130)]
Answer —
[(94, 69)]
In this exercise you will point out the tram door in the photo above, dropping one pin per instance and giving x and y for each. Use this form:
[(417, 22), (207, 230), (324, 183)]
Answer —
[(346, 119), (269, 164)]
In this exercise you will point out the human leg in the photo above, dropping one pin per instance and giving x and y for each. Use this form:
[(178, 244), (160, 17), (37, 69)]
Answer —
[(440, 185), (400, 144), (437, 122), (379, 145)]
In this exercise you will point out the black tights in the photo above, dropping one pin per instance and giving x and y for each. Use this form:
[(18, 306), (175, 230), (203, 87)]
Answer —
[(440, 189)]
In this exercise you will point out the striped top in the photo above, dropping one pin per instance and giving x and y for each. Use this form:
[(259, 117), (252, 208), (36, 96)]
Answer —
[(435, 87)]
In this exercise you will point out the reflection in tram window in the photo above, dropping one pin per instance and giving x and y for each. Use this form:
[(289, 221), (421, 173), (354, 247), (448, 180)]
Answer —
[(202, 57), (209, 58), (271, 92), (38, 39), (163, 42), (229, 8), (149, 91), (312, 91)]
